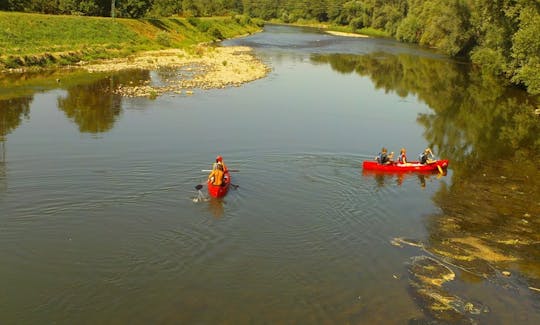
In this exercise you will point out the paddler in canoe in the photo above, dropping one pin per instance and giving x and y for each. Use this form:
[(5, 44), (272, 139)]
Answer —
[(402, 158), (384, 158), (217, 175), (427, 157), (384, 163), (219, 161)]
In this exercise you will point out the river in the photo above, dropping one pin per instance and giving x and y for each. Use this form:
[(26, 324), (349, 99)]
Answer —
[(98, 222)]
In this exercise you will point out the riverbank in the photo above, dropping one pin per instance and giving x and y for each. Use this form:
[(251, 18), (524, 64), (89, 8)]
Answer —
[(37, 41), (204, 67), (346, 34)]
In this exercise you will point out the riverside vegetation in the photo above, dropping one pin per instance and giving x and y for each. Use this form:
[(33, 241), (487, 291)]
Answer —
[(98, 44), (37, 40), (500, 37)]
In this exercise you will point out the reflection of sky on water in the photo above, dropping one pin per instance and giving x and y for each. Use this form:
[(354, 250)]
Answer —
[(281, 39)]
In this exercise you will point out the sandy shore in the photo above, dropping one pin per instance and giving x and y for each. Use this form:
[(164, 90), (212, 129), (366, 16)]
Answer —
[(346, 34), (203, 68)]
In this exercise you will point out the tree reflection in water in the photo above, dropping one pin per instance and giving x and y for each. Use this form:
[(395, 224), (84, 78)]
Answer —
[(95, 107), (12, 113), (489, 215)]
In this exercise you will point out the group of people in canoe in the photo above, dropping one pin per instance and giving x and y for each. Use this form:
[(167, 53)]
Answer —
[(384, 158)]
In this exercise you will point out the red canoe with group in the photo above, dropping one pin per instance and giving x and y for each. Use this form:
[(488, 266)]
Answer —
[(220, 190), (413, 166)]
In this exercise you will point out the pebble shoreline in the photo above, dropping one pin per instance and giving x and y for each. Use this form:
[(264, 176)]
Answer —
[(205, 68)]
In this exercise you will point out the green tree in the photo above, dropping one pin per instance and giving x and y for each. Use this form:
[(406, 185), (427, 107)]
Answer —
[(166, 8), (438, 23), (526, 49), (134, 8)]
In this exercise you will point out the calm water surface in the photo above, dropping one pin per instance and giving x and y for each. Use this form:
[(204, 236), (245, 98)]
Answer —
[(98, 222)]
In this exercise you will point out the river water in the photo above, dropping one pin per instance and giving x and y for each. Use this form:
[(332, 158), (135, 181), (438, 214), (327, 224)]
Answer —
[(98, 222)]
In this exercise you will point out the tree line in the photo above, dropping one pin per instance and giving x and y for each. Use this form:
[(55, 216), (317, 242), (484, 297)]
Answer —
[(500, 36)]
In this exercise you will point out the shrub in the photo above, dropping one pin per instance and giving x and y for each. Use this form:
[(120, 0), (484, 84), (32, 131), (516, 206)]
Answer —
[(12, 62), (163, 39), (216, 33), (193, 21)]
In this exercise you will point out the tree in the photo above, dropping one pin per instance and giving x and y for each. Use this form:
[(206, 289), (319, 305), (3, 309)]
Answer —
[(134, 8), (526, 49)]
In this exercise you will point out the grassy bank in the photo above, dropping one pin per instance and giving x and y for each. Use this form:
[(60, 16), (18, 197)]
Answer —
[(35, 40)]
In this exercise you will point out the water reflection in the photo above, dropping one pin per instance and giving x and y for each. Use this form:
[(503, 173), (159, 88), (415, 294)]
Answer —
[(95, 107), (216, 207), (474, 118), (487, 225), (396, 179), (3, 178), (12, 113)]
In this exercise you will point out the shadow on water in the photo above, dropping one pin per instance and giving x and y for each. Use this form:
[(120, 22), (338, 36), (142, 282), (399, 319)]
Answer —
[(488, 227)]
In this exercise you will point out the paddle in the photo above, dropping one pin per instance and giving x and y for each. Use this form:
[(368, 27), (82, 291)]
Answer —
[(198, 187), (230, 170)]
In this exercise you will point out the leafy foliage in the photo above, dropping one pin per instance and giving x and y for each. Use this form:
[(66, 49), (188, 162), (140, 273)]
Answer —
[(500, 36)]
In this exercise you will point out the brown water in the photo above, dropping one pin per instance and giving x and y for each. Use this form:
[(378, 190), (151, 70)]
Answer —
[(98, 222)]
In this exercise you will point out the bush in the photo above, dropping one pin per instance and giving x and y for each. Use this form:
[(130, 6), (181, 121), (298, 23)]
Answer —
[(356, 23), (216, 33), (12, 62), (203, 26), (193, 21), (163, 39), (242, 19)]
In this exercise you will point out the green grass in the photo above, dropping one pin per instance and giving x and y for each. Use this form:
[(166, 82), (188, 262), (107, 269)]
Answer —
[(30, 40)]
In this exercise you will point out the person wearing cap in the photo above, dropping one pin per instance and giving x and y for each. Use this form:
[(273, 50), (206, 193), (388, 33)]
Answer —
[(219, 161)]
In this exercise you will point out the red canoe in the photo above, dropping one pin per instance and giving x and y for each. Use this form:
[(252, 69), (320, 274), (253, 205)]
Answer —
[(413, 166), (220, 190)]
